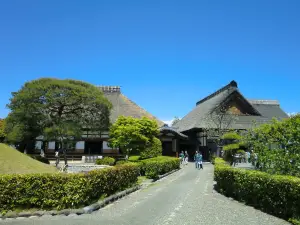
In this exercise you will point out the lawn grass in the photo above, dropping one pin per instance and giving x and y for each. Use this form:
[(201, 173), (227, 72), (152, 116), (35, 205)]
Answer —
[(13, 161)]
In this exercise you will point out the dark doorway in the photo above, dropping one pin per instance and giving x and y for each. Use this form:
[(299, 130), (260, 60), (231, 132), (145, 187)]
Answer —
[(93, 147), (167, 149)]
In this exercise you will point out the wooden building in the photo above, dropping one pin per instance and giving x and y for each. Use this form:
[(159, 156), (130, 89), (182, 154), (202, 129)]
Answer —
[(188, 134), (244, 111), (96, 143)]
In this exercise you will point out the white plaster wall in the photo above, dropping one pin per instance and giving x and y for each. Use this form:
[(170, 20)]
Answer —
[(51, 145), (38, 145), (80, 145)]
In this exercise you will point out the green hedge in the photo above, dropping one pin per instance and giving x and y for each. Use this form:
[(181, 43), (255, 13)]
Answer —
[(276, 195), (153, 150), (48, 191), (154, 167), (106, 161)]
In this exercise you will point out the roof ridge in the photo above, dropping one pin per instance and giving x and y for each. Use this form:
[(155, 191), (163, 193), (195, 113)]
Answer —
[(107, 89), (263, 102), (231, 84)]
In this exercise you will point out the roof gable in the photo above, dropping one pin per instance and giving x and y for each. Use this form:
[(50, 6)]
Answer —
[(122, 105), (248, 111)]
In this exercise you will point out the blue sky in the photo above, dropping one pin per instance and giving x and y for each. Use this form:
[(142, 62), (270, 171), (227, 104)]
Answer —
[(165, 55)]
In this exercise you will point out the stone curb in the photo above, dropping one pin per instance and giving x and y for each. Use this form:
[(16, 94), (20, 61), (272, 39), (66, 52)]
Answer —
[(86, 210), (166, 174)]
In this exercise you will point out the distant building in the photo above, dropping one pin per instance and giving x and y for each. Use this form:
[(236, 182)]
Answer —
[(96, 143), (188, 134), (245, 112)]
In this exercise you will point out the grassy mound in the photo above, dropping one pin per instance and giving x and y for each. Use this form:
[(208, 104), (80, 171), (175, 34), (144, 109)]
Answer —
[(13, 161)]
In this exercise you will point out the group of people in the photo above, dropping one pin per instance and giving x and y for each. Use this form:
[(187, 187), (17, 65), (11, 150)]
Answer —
[(184, 159)]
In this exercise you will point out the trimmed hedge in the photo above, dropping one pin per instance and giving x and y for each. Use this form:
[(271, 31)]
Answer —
[(48, 191), (152, 150), (273, 194), (154, 167), (106, 161)]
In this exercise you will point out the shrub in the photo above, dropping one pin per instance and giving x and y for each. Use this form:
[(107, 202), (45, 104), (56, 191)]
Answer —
[(274, 194), (41, 159), (134, 158), (48, 191), (154, 167), (294, 221), (106, 161), (153, 150)]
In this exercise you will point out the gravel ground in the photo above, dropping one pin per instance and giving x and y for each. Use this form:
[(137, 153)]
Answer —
[(183, 198)]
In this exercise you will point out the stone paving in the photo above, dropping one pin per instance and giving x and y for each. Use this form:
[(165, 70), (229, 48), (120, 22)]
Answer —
[(183, 198)]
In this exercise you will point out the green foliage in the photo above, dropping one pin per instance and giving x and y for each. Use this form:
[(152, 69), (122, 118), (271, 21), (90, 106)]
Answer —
[(231, 136), (64, 190), (13, 161), (41, 159), (153, 149), (56, 109), (240, 151), (233, 146), (273, 194), (294, 221), (121, 162), (106, 161), (2, 130), (277, 146), (132, 134), (154, 167), (134, 158)]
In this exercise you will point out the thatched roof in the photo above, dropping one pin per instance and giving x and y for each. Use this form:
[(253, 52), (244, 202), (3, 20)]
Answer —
[(124, 106), (260, 111)]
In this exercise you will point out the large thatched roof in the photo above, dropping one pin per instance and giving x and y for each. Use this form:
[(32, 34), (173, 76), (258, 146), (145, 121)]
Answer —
[(260, 111), (123, 105)]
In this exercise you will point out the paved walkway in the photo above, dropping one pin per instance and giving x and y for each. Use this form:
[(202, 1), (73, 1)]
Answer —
[(183, 198)]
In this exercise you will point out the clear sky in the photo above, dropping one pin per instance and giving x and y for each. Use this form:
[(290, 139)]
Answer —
[(165, 55)]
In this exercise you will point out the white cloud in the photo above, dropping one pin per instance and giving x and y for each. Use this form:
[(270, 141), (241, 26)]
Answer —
[(292, 114), (169, 122)]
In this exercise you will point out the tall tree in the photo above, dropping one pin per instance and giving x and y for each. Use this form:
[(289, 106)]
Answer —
[(175, 120), (218, 122), (59, 109), (2, 130), (132, 134)]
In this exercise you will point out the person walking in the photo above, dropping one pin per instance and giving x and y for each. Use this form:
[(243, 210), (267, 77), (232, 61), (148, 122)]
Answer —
[(200, 161), (186, 158), (249, 157), (181, 156), (56, 157)]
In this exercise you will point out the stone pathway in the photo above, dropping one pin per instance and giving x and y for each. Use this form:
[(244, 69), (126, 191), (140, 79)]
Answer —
[(183, 198)]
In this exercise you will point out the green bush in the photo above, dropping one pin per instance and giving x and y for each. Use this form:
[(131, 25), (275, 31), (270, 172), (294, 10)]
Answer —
[(134, 158), (153, 150), (294, 221), (273, 194), (106, 161), (154, 167), (41, 159), (49, 191)]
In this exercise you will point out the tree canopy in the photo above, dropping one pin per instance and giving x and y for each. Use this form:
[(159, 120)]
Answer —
[(57, 109), (2, 130), (277, 145), (132, 134)]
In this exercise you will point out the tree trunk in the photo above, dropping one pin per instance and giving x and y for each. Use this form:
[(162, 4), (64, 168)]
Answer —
[(65, 156)]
